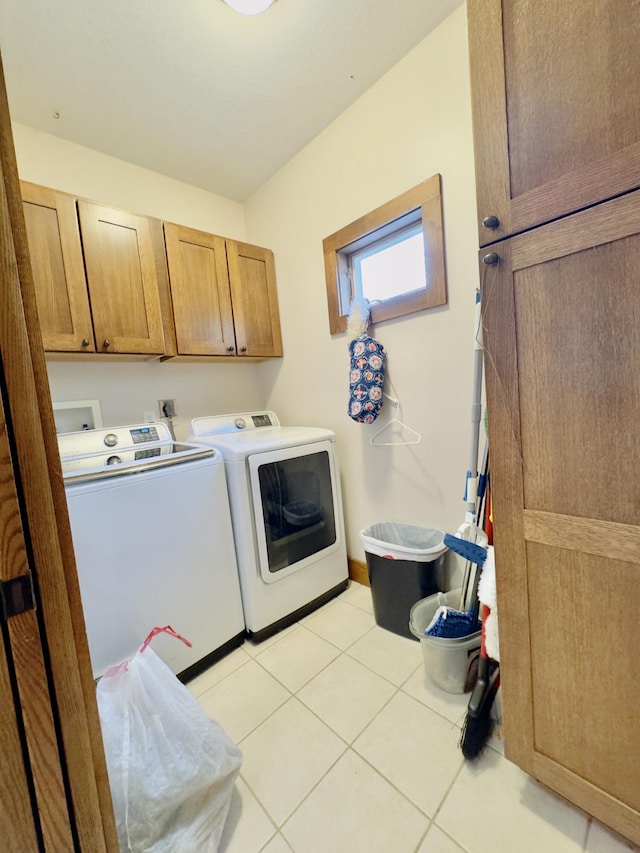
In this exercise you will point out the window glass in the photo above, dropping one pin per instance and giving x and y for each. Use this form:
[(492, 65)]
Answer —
[(390, 267)]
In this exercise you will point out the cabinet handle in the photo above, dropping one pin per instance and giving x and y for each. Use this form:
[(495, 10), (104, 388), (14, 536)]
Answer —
[(85, 342), (491, 259), (243, 349), (230, 349), (491, 222), (106, 344)]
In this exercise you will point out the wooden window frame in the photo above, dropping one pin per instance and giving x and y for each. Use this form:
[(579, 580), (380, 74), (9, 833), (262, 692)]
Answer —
[(426, 197)]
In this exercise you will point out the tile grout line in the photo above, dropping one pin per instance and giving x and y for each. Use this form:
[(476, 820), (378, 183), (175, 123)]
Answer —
[(308, 794)]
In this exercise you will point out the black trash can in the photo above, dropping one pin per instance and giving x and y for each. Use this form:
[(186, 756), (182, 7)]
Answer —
[(405, 563)]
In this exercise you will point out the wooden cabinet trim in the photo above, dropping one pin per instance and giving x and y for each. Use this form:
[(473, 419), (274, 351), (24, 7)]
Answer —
[(507, 500), (611, 220), (586, 796), (602, 538), (489, 111)]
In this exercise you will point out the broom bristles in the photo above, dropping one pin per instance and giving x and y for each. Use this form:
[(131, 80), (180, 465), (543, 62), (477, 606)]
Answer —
[(476, 732)]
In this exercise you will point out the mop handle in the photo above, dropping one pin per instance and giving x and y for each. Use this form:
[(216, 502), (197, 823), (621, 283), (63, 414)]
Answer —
[(471, 486)]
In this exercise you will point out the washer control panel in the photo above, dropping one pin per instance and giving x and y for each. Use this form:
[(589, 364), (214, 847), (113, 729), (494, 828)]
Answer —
[(142, 434)]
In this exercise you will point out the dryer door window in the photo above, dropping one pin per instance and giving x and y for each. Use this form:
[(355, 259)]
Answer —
[(296, 506)]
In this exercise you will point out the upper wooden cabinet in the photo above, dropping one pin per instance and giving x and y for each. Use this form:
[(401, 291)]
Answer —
[(95, 274), (224, 295), (556, 113), (104, 284), (256, 317), (58, 269), (122, 280)]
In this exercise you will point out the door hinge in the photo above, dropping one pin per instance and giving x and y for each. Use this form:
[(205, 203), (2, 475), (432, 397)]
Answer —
[(16, 596)]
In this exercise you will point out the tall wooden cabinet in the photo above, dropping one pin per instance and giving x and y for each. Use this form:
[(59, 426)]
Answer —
[(557, 140)]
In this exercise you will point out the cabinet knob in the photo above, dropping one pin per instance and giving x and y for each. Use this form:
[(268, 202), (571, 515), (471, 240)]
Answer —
[(491, 259), (106, 344), (491, 222), (85, 342), (243, 349), (230, 349)]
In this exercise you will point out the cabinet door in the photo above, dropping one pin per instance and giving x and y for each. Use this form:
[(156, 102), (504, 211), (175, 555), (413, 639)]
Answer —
[(58, 269), (556, 112), (255, 300), (199, 291), (122, 279), (562, 347)]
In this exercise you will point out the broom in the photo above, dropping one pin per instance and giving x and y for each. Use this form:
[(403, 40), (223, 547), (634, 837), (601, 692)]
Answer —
[(478, 724)]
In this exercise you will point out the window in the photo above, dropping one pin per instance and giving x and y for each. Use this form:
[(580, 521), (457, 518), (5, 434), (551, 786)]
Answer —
[(393, 256)]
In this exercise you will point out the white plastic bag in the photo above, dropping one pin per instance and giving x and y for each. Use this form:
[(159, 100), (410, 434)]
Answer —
[(171, 768)]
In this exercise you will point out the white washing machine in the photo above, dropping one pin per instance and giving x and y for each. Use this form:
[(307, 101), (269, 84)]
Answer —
[(286, 508), (154, 545)]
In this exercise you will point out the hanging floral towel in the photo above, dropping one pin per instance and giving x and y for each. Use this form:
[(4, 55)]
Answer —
[(366, 379)]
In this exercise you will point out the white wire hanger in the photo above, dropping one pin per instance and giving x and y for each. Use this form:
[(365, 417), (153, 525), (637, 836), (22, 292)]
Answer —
[(394, 431)]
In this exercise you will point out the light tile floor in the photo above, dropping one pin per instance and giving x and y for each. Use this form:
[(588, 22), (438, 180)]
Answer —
[(347, 746)]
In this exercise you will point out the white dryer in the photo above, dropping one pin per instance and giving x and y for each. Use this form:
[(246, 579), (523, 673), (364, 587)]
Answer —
[(286, 509)]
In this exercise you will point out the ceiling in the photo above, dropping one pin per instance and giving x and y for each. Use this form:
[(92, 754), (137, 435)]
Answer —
[(192, 89)]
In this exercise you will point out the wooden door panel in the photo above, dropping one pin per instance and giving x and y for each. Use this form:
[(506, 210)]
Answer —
[(18, 824), (200, 292), (571, 97), (561, 318), (584, 662), (122, 279), (27, 661), (555, 113), (255, 299), (58, 269), (578, 320)]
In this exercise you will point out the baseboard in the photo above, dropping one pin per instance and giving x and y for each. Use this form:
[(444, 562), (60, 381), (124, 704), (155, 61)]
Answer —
[(358, 571)]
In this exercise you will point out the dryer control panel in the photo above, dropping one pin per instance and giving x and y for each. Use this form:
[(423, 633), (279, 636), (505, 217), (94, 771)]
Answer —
[(240, 422)]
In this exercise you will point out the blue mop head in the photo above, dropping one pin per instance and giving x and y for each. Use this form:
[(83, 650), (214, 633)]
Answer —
[(449, 623), (469, 550)]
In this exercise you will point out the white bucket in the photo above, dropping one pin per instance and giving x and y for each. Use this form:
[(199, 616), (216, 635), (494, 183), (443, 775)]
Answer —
[(446, 659)]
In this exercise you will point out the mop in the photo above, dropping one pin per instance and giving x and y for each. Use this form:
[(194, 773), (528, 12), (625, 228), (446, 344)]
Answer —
[(470, 540)]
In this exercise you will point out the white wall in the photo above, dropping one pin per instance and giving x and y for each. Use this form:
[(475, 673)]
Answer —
[(127, 389), (413, 123)]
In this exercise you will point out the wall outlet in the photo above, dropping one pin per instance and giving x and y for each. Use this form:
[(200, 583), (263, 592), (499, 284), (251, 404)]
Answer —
[(149, 417), (167, 408)]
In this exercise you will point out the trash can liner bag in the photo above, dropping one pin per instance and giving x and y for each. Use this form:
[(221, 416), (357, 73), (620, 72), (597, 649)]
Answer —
[(398, 541)]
